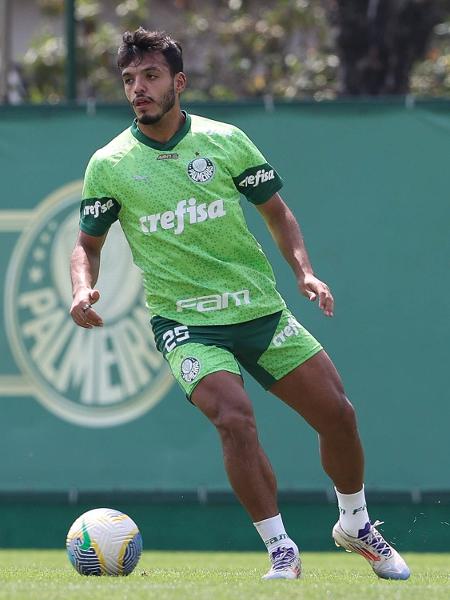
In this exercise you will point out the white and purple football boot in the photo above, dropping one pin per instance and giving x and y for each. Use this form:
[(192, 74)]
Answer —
[(286, 563), (384, 560)]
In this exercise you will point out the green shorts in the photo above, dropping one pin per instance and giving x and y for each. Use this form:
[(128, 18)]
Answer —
[(268, 348)]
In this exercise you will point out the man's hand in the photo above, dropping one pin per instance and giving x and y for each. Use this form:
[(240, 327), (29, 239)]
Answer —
[(81, 310), (313, 288)]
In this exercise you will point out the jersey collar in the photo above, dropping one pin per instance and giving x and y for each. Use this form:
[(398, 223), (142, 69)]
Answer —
[(174, 140)]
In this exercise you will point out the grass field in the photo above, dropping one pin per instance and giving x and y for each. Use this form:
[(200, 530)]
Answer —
[(47, 575)]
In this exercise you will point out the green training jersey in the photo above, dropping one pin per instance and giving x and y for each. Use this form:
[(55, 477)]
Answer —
[(179, 207)]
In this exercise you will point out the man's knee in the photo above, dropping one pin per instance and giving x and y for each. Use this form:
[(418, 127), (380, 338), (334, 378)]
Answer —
[(236, 425), (234, 418), (342, 416), (224, 401), (343, 420), (348, 414)]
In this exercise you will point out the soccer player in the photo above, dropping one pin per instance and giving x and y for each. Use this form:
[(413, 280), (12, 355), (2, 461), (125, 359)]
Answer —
[(173, 180)]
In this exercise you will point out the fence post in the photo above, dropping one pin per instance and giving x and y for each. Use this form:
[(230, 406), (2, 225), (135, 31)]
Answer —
[(71, 61), (4, 49)]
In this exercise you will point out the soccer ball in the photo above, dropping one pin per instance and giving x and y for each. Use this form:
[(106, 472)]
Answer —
[(104, 541)]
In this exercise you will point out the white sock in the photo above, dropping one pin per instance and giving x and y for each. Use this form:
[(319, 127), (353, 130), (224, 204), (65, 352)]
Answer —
[(353, 514), (273, 533)]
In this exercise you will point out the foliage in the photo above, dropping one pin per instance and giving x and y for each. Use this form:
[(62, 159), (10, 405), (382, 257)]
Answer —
[(97, 41), (280, 51), (432, 76), (233, 49)]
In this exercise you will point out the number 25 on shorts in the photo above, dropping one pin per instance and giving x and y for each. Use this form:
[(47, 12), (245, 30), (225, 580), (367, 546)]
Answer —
[(174, 336)]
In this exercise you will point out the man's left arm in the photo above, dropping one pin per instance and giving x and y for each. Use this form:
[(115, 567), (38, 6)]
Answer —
[(286, 232)]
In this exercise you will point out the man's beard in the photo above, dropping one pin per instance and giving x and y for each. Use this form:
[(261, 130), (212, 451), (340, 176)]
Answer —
[(167, 103)]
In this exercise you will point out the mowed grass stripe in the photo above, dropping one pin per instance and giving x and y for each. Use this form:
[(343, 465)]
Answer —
[(42, 574)]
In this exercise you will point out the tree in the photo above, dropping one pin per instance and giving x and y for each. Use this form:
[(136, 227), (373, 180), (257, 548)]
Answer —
[(379, 41), (431, 77)]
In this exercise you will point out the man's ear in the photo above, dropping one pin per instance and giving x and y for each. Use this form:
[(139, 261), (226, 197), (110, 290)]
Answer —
[(180, 82)]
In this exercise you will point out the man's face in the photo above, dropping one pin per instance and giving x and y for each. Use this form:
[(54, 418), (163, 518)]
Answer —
[(150, 88)]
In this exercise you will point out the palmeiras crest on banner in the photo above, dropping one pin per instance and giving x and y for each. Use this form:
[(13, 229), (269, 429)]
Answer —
[(93, 377)]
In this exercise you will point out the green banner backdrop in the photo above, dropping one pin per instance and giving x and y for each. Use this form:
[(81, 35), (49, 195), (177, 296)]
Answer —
[(98, 411)]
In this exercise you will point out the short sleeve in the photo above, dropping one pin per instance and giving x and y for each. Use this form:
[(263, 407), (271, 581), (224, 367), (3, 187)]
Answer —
[(253, 176), (99, 209)]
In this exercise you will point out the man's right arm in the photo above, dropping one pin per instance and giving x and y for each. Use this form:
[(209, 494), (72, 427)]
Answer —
[(84, 269)]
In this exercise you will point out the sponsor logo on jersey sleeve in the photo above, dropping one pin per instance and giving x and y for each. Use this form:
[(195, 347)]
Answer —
[(98, 208), (98, 214), (261, 176), (190, 368), (201, 170)]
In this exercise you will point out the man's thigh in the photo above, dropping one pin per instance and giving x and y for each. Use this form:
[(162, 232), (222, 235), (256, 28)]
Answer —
[(222, 398), (314, 389)]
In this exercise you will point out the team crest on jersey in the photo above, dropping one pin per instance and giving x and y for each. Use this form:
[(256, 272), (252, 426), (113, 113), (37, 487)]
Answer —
[(190, 368), (201, 169)]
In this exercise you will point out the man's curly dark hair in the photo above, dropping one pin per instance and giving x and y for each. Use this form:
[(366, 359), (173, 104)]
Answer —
[(135, 44)]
